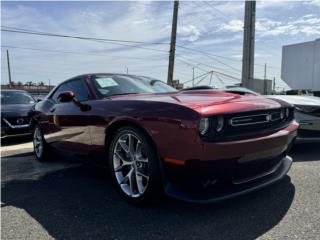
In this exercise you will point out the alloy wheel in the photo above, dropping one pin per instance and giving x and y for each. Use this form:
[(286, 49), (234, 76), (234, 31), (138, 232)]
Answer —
[(38, 142), (130, 165)]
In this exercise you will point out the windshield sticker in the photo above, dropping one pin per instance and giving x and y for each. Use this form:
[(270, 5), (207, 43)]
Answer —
[(106, 82)]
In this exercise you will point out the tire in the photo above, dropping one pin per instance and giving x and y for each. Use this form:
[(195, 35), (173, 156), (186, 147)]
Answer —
[(40, 147), (135, 170)]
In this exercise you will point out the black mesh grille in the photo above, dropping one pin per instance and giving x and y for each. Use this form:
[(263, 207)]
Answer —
[(16, 120), (254, 168)]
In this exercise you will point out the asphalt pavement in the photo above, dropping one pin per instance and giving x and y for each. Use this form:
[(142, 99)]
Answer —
[(64, 199)]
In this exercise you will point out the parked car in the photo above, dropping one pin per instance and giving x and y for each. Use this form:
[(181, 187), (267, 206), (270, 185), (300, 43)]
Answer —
[(195, 145), (307, 113), (15, 110)]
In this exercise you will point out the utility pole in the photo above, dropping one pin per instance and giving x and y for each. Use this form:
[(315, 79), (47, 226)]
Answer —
[(265, 79), (248, 44), (274, 84), (173, 43), (9, 72), (127, 69), (193, 77)]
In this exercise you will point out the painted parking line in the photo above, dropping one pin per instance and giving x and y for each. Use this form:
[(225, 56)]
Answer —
[(16, 149), (19, 163)]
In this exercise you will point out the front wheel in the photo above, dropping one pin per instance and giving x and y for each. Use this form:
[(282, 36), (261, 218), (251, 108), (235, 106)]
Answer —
[(134, 166), (39, 145)]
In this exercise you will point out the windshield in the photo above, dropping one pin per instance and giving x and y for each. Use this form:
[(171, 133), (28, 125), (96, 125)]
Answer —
[(110, 85), (15, 97)]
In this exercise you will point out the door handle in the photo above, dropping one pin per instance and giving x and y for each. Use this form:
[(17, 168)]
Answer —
[(52, 109)]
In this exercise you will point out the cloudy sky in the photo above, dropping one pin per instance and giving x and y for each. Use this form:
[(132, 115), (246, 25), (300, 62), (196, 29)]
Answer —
[(213, 29)]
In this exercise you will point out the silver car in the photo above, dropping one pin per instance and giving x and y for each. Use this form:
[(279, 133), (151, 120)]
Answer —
[(307, 113)]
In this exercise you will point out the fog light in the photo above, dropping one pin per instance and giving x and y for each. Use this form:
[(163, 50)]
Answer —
[(203, 126)]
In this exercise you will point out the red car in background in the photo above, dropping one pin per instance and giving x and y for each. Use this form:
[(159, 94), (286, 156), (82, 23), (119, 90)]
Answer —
[(195, 145)]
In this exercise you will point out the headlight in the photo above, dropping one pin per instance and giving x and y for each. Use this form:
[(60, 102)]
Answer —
[(203, 126), (305, 109), (220, 123), (287, 112), (282, 113)]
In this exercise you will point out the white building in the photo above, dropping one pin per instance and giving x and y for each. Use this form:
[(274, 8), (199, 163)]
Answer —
[(300, 67)]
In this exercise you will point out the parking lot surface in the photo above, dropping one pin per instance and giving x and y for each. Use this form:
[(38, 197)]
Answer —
[(64, 199)]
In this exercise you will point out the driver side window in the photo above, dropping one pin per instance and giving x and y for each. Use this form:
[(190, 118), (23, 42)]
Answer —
[(77, 86), (61, 89)]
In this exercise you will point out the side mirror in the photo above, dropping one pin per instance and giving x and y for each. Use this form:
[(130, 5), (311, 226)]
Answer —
[(66, 96), (38, 100)]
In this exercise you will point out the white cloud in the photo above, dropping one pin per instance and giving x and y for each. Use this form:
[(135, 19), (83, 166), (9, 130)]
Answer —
[(190, 33), (232, 26), (313, 3)]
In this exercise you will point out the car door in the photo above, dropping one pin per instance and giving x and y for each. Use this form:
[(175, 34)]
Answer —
[(69, 124)]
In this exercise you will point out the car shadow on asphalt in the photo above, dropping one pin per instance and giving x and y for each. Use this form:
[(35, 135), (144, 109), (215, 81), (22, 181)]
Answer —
[(81, 203), (307, 151), (15, 140)]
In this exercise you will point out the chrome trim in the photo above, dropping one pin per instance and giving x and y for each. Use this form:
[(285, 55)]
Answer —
[(15, 126), (268, 117), (259, 175)]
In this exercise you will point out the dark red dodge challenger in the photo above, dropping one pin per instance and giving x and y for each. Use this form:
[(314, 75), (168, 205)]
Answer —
[(198, 145)]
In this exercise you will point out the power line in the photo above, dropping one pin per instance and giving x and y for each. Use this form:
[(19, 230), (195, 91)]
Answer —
[(217, 72), (207, 65), (70, 52), (101, 40), (28, 31), (123, 43)]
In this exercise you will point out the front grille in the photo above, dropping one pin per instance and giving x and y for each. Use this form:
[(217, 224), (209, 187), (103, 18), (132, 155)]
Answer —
[(17, 120), (244, 124)]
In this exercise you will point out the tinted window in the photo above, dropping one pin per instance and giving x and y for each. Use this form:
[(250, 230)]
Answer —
[(78, 87), (61, 89), (15, 97)]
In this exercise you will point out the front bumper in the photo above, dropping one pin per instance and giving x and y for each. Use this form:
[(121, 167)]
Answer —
[(7, 132), (219, 170), (231, 189)]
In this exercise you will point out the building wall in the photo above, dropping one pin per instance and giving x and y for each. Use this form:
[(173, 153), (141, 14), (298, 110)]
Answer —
[(300, 67), (262, 86)]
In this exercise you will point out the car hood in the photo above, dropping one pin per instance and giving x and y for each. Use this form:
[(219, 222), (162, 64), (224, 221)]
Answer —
[(298, 100), (208, 101), (11, 110)]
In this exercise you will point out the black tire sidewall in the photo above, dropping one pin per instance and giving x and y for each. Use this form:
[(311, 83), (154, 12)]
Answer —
[(154, 184)]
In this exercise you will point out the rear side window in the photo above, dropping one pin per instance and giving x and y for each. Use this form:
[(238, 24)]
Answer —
[(77, 86)]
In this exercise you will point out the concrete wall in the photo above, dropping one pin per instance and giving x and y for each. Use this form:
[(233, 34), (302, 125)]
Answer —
[(300, 67), (262, 86)]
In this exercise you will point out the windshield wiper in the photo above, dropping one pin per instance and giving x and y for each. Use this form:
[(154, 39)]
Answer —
[(118, 94)]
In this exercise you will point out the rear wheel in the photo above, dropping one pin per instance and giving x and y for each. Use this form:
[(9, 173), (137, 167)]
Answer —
[(134, 166), (39, 145)]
